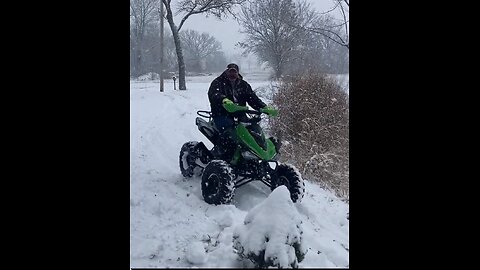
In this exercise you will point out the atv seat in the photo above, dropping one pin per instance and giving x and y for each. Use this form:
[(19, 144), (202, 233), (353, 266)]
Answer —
[(208, 129)]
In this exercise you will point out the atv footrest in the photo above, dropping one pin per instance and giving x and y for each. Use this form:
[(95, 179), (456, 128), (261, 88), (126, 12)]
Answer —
[(268, 184), (242, 182)]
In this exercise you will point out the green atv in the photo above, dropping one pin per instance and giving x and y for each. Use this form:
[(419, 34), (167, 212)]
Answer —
[(255, 158)]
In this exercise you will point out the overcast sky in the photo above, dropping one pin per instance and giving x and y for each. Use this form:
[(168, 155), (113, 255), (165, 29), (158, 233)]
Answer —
[(227, 31)]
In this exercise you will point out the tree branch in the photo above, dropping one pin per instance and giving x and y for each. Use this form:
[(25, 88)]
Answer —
[(186, 16), (344, 19), (330, 10), (208, 6)]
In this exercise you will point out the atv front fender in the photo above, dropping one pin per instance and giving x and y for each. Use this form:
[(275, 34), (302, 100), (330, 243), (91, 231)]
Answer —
[(247, 139)]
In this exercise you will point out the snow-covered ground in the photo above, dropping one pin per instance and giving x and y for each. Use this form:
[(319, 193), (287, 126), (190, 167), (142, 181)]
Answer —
[(170, 224)]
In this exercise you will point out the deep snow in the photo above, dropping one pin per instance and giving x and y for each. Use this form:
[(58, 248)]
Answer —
[(273, 229), (170, 222)]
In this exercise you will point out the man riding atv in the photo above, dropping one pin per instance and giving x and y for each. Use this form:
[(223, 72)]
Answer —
[(228, 95), (241, 153)]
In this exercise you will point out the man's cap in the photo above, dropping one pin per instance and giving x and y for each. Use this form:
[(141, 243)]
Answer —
[(234, 66)]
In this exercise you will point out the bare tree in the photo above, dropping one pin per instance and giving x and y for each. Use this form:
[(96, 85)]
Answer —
[(317, 53), (142, 13), (336, 31), (269, 34), (335, 55), (218, 8), (170, 53), (198, 47), (151, 51)]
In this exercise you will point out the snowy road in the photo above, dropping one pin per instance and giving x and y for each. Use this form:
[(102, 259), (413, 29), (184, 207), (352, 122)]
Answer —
[(169, 219)]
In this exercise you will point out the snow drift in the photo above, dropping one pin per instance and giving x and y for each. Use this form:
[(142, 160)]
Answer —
[(271, 234)]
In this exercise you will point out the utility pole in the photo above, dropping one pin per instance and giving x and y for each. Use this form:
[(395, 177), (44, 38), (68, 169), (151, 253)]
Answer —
[(161, 46)]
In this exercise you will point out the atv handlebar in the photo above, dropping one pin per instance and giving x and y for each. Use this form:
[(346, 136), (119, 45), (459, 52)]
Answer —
[(252, 112)]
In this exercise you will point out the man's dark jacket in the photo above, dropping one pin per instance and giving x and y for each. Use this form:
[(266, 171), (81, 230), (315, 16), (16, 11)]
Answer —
[(240, 93)]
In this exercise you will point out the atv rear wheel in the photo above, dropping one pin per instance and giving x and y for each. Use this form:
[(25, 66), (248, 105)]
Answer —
[(288, 176), (218, 183), (187, 159)]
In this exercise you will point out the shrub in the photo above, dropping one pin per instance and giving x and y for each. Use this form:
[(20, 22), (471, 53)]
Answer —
[(313, 125)]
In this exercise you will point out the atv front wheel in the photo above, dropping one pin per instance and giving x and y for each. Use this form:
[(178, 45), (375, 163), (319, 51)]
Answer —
[(288, 176), (218, 183)]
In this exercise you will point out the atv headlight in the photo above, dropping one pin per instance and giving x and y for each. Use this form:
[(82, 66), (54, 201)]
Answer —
[(273, 165)]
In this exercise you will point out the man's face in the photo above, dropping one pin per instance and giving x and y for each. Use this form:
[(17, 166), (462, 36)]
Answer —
[(232, 74)]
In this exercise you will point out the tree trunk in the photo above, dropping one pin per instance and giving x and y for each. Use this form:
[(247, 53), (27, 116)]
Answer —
[(181, 61), (178, 48), (278, 68), (133, 62), (139, 64)]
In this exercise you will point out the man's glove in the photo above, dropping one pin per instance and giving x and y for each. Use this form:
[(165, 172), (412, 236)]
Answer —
[(232, 107), (269, 110)]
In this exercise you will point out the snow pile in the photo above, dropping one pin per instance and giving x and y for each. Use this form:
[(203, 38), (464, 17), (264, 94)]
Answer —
[(225, 220), (149, 77), (272, 233), (196, 253)]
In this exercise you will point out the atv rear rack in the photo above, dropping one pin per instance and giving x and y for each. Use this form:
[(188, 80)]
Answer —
[(205, 114)]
